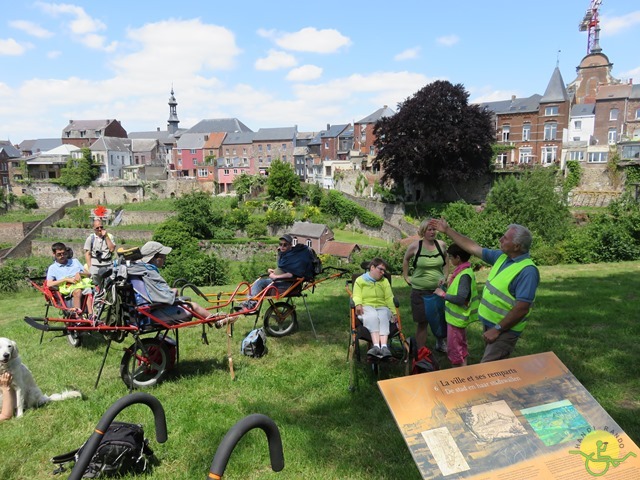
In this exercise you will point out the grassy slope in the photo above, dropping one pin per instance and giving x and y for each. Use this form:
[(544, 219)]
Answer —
[(586, 314)]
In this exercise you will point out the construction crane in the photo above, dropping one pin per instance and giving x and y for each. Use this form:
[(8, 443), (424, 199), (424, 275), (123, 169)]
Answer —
[(590, 23)]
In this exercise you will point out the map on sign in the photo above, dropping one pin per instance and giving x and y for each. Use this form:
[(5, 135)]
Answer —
[(520, 418)]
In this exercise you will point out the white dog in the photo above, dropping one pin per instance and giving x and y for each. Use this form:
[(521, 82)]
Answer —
[(28, 395)]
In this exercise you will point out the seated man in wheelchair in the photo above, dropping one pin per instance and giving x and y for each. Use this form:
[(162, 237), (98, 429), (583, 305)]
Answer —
[(69, 276), (373, 300), (150, 287), (293, 262)]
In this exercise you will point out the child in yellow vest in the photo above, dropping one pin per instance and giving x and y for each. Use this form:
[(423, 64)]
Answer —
[(461, 304)]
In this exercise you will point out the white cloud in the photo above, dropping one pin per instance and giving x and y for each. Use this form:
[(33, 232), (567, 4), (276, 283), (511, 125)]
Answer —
[(304, 73), (615, 25), (31, 28), (408, 54), (276, 60), (9, 46), (308, 39), (486, 94), (82, 26), (448, 40), (54, 54), (633, 73)]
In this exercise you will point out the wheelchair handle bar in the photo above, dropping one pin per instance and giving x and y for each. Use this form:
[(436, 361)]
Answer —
[(91, 446), (234, 435)]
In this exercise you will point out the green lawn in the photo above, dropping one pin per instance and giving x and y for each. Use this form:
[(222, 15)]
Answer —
[(359, 238), (586, 314)]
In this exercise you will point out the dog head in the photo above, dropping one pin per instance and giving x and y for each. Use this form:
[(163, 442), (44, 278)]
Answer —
[(8, 352)]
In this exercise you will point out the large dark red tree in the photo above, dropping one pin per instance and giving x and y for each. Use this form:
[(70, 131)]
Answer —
[(435, 137)]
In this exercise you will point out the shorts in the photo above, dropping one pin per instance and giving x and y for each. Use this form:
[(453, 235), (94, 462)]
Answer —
[(501, 348)]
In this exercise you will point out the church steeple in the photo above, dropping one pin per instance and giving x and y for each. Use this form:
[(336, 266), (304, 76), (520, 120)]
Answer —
[(172, 123)]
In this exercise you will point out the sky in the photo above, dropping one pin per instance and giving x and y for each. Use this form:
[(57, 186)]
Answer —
[(283, 63)]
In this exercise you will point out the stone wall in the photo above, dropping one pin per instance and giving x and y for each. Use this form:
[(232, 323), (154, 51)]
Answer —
[(13, 232), (122, 238), (144, 218), (49, 195)]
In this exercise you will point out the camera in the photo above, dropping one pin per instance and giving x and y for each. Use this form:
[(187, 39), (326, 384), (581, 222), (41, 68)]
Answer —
[(100, 256)]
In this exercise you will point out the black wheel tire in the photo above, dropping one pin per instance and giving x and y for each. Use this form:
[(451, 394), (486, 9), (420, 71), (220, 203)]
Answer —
[(280, 320), (144, 364), (75, 339)]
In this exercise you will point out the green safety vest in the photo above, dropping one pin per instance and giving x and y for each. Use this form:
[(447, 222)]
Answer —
[(462, 315), (497, 301)]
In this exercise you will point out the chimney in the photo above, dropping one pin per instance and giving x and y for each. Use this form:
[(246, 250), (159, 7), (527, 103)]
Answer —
[(513, 97), (328, 126), (157, 129), (385, 106)]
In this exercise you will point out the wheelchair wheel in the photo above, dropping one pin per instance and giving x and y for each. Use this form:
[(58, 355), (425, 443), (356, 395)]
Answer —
[(280, 320), (75, 339), (144, 364)]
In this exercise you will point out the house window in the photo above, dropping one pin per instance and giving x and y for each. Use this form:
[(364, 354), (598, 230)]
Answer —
[(234, 151), (372, 150), (501, 159), (525, 155), (549, 155), (295, 241), (226, 151), (598, 157), (631, 151), (226, 171), (550, 111), (309, 243), (284, 146), (260, 148), (268, 158), (244, 150), (612, 135), (259, 159), (195, 161), (192, 151), (284, 158), (638, 114), (636, 133), (613, 114), (326, 144), (577, 125), (505, 133), (202, 172), (550, 130), (576, 156), (268, 147), (526, 132), (235, 171)]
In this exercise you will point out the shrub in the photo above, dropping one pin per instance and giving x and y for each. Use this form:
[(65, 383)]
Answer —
[(173, 233), (198, 267), (257, 228), (257, 265), (28, 202), (14, 271)]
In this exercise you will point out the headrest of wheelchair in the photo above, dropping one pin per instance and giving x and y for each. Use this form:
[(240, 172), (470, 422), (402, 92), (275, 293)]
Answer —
[(365, 264), (131, 254)]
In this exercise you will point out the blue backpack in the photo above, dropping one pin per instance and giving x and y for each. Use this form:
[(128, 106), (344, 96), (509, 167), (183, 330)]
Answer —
[(255, 344)]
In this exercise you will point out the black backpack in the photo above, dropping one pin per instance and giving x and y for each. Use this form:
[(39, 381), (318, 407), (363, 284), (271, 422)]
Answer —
[(315, 262), (123, 449)]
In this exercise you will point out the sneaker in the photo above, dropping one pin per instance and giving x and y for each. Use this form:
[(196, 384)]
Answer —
[(385, 352), (375, 352), (441, 345)]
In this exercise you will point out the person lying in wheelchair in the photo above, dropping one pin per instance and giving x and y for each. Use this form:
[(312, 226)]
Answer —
[(69, 276), (373, 300), (149, 286), (293, 262)]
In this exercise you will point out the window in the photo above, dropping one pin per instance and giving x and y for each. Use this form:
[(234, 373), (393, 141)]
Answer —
[(268, 147), (636, 133), (598, 157), (195, 161), (259, 159), (638, 114), (372, 150), (505, 133), (549, 155), (550, 111), (612, 135), (309, 243), (226, 171), (202, 172), (550, 130), (235, 171), (631, 151), (501, 159), (284, 146), (577, 125), (525, 155), (526, 132), (268, 158), (326, 144), (576, 139), (576, 156), (613, 114), (244, 150), (192, 151), (260, 148), (284, 158)]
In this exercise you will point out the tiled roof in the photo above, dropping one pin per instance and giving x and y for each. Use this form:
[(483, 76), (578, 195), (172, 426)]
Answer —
[(238, 138), (635, 92), (610, 92), (191, 141), (334, 131), (583, 110), (39, 144), (279, 133), (515, 105), (9, 149), (162, 135), (377, 115), (339, 249), (556, 90), (111, 144), (219, 125), (143, 144), (308, 229), (88, 124), (215, 140)]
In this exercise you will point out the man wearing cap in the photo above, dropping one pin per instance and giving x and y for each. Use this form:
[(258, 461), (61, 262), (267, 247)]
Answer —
[(293, 262), (155, 288)]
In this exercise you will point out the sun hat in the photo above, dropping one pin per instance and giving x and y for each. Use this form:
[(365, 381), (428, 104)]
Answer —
[(150, 249)]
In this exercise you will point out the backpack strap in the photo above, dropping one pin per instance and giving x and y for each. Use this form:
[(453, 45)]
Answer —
[(440, 252), (62, 460), (444, 259), (415, 258)]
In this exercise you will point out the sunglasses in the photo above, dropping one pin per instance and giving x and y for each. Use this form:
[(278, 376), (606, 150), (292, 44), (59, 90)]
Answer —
[(97, 229), (284, 244)]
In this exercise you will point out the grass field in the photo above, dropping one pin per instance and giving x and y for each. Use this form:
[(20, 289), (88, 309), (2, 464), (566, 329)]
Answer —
[(586, 314)]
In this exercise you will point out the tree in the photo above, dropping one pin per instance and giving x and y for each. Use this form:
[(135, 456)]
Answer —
[(283, 181), (245, 183), (195, 211), (436, 137), (79, 172)]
